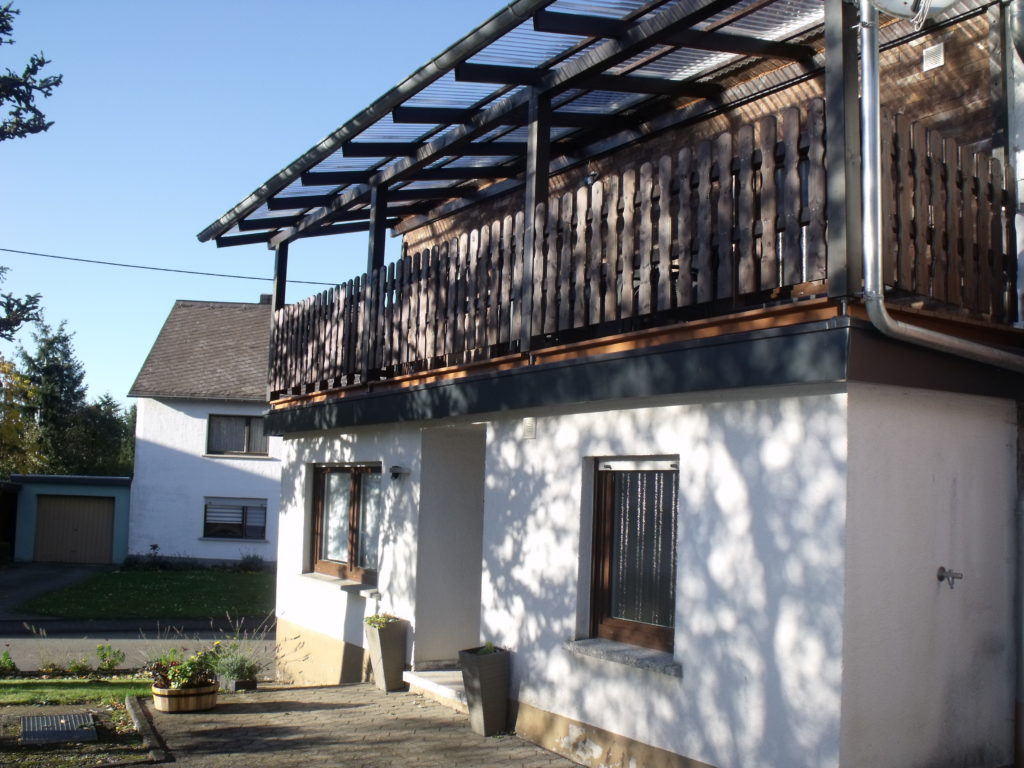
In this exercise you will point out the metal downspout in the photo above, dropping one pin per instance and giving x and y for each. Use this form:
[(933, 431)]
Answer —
[(871, 174), (874, 300)]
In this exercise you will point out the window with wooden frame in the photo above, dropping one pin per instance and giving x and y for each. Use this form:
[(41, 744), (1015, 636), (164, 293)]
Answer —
[(236, 435), (346, 518), (634, 573)]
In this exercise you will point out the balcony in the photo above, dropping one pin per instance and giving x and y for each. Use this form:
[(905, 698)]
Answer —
[(724, 232)]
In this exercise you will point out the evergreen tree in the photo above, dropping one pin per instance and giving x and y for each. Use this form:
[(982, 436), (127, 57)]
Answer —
[(56, 396), (16, 311), (18, 91)]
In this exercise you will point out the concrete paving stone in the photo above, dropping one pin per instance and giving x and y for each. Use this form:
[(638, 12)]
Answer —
[(353, 725)]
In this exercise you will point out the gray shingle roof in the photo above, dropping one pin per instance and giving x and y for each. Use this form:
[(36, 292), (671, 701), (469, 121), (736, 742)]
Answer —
[(209, 350)]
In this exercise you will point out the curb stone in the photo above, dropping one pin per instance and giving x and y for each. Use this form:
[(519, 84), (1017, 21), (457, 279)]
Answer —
[(149, 738)]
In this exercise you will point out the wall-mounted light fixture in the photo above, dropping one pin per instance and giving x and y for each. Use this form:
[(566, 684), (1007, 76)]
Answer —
[(948, 575), (398, 472)]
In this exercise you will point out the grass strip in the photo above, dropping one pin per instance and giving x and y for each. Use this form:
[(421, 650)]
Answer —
[(210, 593), (33, 692)]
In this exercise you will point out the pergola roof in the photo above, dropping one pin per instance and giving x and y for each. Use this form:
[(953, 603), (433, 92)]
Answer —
[(455, 129)]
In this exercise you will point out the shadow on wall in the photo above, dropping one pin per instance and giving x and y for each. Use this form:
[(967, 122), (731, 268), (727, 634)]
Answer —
[(759, 575)]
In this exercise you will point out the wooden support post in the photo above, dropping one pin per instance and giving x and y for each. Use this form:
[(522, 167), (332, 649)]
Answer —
[(280, 275), (378, 225), (374, 263), (277, 301), (842, 126), (537, 162)]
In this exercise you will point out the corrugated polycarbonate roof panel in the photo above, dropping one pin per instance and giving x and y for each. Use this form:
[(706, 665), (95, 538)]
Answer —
[(522, 46)]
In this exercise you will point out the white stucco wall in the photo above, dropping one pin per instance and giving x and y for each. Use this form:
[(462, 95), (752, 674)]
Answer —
[(759, 575), (928, 675), (173, 476), (325, 604)]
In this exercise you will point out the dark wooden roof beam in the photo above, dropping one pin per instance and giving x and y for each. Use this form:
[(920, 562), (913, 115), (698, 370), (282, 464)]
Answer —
[(432, 115), (226, 241), (297, 202), (653, 85), (498, 74), (344, 229), (267, 222), (332, 178), (465, 173), (745, 46), (486, 149), (379, 148), (430, 193), (578, 24)]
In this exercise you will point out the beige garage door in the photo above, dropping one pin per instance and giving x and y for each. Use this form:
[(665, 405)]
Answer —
[(74, 529)]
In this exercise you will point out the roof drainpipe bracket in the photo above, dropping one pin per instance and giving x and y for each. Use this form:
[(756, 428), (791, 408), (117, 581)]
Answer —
[(871, 174)]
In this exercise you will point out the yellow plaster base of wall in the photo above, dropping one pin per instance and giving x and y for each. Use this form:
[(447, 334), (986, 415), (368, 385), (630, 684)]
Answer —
[(592, 746), (307, 657)]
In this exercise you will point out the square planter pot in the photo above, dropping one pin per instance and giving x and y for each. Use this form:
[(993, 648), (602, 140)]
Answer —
[(230, 685), (485, 677), (387, 654)]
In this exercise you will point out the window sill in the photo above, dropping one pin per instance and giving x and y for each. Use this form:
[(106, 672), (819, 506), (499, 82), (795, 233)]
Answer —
[(623, 653), (355, 588), (247, 456), (234, 539)]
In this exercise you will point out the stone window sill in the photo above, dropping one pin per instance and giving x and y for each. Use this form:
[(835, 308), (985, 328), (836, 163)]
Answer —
[(344, 585), (234, 540), (628, 655)]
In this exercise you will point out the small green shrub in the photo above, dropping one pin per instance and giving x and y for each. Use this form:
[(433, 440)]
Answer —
[(110, 658), (380, 620), (7, 666), (79, 667)]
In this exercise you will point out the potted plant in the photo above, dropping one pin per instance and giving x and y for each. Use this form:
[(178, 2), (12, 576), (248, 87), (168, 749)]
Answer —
[(485, 677), (186, 684), (236, 668), (385, 639)]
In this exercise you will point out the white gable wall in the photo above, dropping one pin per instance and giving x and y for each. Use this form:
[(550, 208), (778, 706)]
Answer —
[(928, 670), (173, 476)]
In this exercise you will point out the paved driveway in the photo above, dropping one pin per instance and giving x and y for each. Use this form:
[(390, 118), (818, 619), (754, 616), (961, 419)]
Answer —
[(350, 725)]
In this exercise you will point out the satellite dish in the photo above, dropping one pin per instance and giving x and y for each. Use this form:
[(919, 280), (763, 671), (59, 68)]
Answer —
[(918, 10)]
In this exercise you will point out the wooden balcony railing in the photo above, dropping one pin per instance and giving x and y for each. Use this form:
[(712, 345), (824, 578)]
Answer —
[(727, 223)]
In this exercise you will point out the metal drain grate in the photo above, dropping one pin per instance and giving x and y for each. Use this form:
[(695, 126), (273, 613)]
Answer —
[(49, 729)]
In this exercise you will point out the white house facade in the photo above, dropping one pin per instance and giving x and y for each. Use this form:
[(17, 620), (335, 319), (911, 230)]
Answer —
[(695, 386), (207, 477)]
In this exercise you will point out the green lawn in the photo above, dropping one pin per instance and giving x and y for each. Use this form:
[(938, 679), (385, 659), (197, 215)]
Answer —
[(83, 692), (160, 595)]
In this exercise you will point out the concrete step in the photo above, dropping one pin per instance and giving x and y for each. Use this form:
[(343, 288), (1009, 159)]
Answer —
[(441, 685)]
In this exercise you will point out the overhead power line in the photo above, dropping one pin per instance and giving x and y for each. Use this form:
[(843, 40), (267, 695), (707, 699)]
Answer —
[(155, 269)]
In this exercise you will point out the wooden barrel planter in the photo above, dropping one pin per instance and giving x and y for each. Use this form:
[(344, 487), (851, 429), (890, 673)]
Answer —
[(185, 699)]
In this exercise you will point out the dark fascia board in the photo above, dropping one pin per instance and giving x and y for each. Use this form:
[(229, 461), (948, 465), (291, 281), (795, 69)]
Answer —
[(813, 353), (71, 480), (836, 351)]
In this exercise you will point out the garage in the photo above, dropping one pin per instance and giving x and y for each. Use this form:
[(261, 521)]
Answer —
[(72, 519), (74, 529)]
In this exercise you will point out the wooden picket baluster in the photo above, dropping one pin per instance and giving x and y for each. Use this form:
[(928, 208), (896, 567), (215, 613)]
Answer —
[(768, 204), (684, 228), (645, 240), (816, 194), (627, 244), (726, 272), (705, 270), (595, 258), (904, 204), (610, 305), (792, 256)]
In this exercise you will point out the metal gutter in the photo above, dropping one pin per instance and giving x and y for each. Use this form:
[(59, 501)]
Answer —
[(503, 21), (871, 173)]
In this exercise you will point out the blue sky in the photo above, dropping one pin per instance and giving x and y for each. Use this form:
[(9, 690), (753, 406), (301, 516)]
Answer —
[(170, 113)]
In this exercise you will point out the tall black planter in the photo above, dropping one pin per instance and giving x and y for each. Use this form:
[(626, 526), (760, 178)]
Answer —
[(486, 679), (387, 654)]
